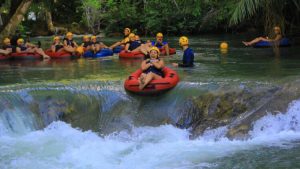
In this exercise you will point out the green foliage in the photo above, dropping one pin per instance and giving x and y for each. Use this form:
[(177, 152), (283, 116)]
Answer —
[(271, 12), (244, 9), (169, 16), (92, 14)]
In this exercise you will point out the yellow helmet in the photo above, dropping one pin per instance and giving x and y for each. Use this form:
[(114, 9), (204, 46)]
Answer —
[(20, 40), (6, 41), (155, 48), (93, 37), (80, 50), (183, 40), (131, 35), (128, 29), (159, 34), (69, 34), (56, 38), (224, 45), (85, 37)]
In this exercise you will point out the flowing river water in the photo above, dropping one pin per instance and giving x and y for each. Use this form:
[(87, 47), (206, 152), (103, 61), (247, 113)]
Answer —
[(75, 114)]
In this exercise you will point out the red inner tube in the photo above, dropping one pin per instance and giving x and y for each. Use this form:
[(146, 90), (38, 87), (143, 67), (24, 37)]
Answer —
[(169, 81), (4, 57), (172, 51), (26, 55), (131, 55), (58, 55)]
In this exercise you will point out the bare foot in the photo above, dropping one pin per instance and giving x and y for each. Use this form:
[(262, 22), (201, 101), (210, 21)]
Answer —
[(245, 43), (141, 86), (175, 64), (141, 79), (46, 57)]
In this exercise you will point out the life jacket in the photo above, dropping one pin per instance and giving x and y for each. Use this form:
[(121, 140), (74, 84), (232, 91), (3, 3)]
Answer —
[(58, 46), (158, 44), (22, 47), (69, 42), (155, 70), (86, 44), (133, 45), (94, 43), (7, 47)]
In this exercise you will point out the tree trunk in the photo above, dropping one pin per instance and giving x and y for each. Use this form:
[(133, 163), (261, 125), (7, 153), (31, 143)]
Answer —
[(16, 19), (50, 25), (14, 6)]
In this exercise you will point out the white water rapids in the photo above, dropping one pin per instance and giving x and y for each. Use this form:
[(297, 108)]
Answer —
[(59, 146)]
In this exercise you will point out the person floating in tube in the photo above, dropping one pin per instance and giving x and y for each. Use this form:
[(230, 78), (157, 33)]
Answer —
[(122, 42), (188, 55), (152, 68), (160, 43), (7, 48), (277, 37), (23, 47)]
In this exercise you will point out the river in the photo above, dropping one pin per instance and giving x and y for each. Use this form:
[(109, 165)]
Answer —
[(61, 114)]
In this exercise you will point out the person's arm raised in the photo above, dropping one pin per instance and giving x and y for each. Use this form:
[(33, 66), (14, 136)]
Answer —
[(159, 65), (145, 65)]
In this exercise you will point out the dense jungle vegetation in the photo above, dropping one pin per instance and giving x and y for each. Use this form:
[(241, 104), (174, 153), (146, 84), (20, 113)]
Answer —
[(46, 17)]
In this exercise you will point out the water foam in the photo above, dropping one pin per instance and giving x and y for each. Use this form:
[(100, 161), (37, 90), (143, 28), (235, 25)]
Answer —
[(164, 147)]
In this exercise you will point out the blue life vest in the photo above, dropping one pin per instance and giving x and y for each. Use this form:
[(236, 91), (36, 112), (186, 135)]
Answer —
[(134, 44), (158, 44)]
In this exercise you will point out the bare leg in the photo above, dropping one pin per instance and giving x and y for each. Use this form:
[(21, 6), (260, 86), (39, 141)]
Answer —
[(70, 49), (61, 50), (148, 79), (5, 52), (97, 48), (141, 79), (167, 49), (254, 41), (102, 45), (53, 48), (144, 48), (41, 52), (115, 45)]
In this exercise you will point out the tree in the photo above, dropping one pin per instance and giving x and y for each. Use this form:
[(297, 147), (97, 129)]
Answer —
[(272, 12), (16, 18)]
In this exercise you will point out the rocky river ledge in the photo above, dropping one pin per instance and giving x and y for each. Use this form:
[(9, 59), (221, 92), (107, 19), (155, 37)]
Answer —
[(236, 109)]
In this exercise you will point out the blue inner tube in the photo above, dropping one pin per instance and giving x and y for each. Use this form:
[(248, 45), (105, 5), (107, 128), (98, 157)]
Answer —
[(104, 52), (88, 54), (118, 49), (263, 44)]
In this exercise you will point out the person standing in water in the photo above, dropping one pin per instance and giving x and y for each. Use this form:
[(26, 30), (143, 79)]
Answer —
[(188, 55), (278, 37)]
